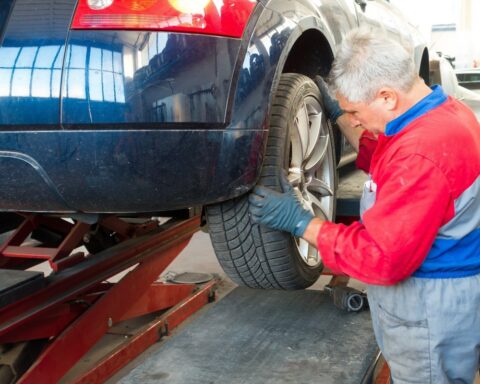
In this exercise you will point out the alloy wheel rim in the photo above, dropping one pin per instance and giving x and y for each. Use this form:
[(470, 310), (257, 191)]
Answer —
[(311, 169)]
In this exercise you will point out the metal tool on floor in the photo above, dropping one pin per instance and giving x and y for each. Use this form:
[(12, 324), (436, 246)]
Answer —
[(347, 298)]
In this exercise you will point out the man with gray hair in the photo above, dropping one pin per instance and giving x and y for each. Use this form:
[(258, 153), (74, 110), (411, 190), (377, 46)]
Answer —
[(417, 245)]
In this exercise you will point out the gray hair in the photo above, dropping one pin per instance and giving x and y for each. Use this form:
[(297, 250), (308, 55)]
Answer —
[(368, 60)]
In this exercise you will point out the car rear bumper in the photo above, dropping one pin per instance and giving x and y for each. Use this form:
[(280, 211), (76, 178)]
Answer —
[(125, 171)]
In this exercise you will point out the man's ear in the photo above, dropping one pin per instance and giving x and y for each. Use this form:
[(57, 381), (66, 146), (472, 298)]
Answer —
[(389, 98)]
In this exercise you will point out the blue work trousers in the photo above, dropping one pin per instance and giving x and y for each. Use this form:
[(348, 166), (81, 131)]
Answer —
[(428, 329)]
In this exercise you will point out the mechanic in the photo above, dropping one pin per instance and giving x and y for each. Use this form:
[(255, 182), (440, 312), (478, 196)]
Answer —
[(417, 245)]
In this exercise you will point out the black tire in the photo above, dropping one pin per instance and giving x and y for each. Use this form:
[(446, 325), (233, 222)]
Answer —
[(253, 255)]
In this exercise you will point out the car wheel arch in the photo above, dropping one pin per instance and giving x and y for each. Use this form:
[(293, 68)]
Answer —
[(305, 32), (299, 59), (295, 44), (293, 32)]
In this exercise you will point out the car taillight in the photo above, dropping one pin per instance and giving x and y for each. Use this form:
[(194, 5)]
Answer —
[(216, 17)]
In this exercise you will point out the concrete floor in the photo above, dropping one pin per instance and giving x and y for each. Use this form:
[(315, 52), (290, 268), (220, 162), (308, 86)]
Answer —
[(198, 256)]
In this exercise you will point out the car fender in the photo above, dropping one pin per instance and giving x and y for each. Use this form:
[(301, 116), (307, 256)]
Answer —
[(259, 68)]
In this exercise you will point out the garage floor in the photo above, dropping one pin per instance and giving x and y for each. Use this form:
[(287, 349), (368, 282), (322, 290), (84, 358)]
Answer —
[(270, 332), (266, 337)]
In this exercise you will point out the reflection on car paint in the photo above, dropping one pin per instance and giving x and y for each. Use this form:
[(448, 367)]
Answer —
[(33, 71), (99, 79), (146, 77), (31, 59)]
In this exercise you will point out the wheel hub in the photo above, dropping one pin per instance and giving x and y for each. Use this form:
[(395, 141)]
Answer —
[(311, 168)]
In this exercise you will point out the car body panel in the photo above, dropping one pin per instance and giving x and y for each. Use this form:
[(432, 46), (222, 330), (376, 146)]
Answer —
[(129, 77), (125, 171)]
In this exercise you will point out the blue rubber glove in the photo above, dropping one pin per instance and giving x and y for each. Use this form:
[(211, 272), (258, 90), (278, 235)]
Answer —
[(278, 210), (332, 108)]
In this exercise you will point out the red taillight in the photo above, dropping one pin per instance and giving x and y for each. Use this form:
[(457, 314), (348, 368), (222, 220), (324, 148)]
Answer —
[(216, 17)]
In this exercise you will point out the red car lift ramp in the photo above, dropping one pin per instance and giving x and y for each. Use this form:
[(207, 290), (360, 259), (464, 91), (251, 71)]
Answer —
[(48, 324)]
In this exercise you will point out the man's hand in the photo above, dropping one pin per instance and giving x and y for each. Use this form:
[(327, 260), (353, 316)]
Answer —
[(332, 108), (277, 210)]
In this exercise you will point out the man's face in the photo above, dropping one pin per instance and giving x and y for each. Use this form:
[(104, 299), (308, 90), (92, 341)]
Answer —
[(372, 116)]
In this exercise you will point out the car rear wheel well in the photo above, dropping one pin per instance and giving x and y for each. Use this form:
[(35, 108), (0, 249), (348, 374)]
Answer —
[(310, 55)]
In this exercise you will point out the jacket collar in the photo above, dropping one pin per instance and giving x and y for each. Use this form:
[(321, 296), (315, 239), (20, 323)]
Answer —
[(428, 103)]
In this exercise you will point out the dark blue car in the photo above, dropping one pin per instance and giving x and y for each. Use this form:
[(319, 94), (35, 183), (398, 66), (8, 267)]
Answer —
[(144, 106)]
